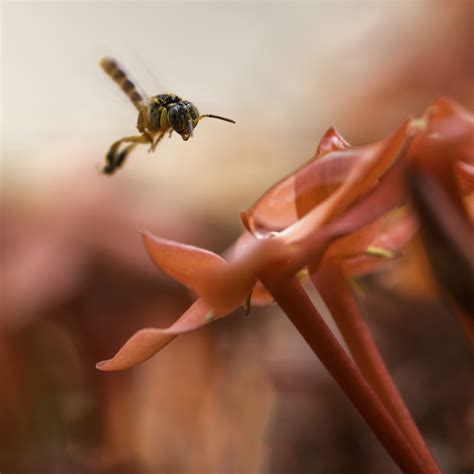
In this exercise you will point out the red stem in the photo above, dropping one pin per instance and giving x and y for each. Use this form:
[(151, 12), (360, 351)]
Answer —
[(295, 302), (467, 324), (339, 298)]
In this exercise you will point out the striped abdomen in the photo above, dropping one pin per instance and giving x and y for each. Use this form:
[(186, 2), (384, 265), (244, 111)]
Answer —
[(118, 74)]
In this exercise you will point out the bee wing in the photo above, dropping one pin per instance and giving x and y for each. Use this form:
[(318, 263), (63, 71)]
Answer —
[(151, 77)]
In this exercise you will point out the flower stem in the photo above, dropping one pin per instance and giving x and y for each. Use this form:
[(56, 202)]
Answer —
[(296, 304), (338, 297)]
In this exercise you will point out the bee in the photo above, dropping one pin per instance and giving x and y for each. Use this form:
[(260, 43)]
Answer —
[(157, 115)]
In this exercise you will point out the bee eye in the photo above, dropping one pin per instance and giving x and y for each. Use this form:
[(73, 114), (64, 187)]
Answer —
[(177, 118)]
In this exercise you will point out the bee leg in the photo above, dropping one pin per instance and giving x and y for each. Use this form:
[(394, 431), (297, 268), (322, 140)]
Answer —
[(121, 157), (110, 159), (114, 160), (164, 123), (155, 143)]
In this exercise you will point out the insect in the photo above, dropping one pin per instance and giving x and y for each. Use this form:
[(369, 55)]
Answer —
[(157, 115)]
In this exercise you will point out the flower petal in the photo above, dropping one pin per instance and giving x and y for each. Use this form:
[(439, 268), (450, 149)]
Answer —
[(185, 263), (332, 140), (361, 179), (260, 296), (444, 141), (147, 342), (340, 166), (312, 183), (396, 230), (286, 253), (355, 243), (447, 118)]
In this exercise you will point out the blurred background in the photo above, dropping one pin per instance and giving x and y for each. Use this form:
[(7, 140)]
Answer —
[(244, 395)]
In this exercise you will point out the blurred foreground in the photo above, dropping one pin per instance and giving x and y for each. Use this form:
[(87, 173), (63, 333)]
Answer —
[(241, 396)]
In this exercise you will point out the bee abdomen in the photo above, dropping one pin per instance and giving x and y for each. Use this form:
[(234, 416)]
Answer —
[(118, 74)]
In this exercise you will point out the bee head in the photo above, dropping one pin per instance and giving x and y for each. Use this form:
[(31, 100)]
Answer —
[(183, 118)]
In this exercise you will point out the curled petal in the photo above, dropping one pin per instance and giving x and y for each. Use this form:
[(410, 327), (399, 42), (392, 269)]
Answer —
[(445, 140), (187, 264), (285, 254), (441, 180), (276, 209), (449, 120), (246, 220), (245, 240), (203, 271), (395, 234), (332, 140), (389, 234), (355, 243), (288, 200), (360, 181), (331, 183), (305, 241), (260, 295), (323, 178), (397, 229), (147, 342), (308, 186), (314, 182), (231, 287)]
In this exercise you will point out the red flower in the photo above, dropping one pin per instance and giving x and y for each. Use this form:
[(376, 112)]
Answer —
[(346, 212)]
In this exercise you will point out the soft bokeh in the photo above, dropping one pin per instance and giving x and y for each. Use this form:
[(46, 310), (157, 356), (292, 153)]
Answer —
[(247, 395)]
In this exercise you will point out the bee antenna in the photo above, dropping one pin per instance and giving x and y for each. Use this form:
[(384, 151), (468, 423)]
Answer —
[(217, 117)]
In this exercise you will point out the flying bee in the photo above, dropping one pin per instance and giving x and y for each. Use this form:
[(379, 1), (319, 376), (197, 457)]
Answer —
[(157, 115)]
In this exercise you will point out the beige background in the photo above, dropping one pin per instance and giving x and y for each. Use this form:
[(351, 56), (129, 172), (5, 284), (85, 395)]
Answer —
[(283, 71)]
